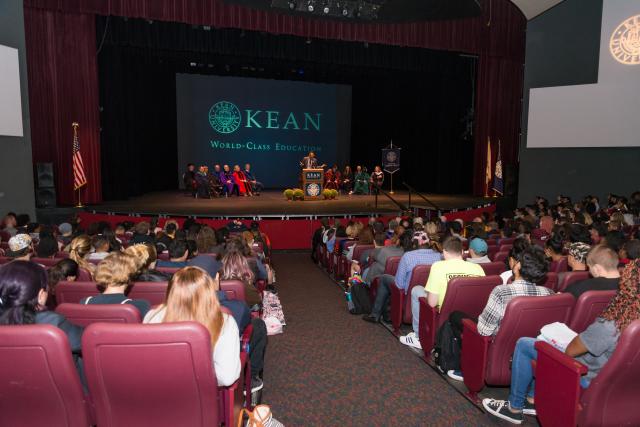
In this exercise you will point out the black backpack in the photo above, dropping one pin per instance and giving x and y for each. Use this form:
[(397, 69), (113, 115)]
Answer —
[(360, 299), (446, 351)]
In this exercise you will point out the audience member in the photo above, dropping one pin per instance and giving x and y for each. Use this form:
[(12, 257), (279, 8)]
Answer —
[(178, 253), (10, 224), (145, 257), (141, 233), (20, 247), (100, 248), (67, 270), (47, 246), (478, 251), (236, 267), (79, 249), (603, 266), (577, 259)]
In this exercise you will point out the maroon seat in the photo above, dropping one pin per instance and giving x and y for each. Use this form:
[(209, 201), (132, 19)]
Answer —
[(233, 289), (334, 257), (73, 292), (468, 295), (357, 253), (84, 315), (505, 248), (47, 262), (487, 359), (168, 378), (492, 250), (62, 254), (589, 306), (572, 277), (343, 264), (506, 241), (493, 268), (401, 301), (154, 292), (39, 383), (550, 281), (84, 275), (168, 270), (559, 266), (4, 236), (390, 267), (4, 260), (611, 398), (501, 257), (164, 256)]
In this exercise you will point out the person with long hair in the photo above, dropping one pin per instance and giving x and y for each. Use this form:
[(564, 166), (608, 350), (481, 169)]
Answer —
[(67, 270), (592, 347), (145, 257), (79, 249), (236, 267), (206, 240), (191, 296)]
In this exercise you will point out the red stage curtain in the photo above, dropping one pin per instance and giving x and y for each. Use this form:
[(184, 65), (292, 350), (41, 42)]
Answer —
[(64, 83), (63, 88)]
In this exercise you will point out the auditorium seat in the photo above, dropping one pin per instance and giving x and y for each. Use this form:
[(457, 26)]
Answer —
[(168, 378), (163, 256), (589, 306), (500, 257), (39, 383), (62, 254), (550, 281), (73, 292), (559, 266), (492, 250), (504, 247), (167, 270), (572, 277), (610, 399), (401, 302), (343, 266), (4, 260), (84, 275), (488, 359), (506, 241), (233, 289), (4, 237), (154, 292), (47, 262), (493, 268), (390, 267), (468, 295), (84, 315)]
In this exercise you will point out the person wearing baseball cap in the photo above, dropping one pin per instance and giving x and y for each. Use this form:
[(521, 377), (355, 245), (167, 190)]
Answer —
[(65, 231), (478, 251), (19, 247)]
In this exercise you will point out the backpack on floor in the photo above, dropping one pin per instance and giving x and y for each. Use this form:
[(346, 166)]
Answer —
[(360, 299), (271, 307), (446, 351)]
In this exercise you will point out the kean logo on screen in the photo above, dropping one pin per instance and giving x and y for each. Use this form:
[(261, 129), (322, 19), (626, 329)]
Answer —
[(225, 118)]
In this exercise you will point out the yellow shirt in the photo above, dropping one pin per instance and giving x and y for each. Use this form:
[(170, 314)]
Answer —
[(443, 271)]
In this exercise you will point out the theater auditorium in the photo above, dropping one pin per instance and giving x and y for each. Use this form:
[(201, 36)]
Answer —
[(268, 213)]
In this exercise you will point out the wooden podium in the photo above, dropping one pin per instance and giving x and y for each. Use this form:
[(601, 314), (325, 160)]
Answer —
[(312, 183)]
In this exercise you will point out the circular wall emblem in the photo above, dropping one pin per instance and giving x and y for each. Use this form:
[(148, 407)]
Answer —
[(313, 190), (625, 41), (224, 117), (391, 156)]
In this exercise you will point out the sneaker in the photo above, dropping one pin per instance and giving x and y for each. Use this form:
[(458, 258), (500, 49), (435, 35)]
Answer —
[(500, 408), (455, 375), (529, 408), (370, 318), (256, 385), (411, 340)]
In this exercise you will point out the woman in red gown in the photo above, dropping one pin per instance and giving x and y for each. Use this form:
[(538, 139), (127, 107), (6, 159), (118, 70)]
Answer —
[(244, 186)]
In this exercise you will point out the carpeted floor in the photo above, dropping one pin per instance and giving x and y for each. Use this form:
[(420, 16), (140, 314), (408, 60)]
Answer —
[(330, 368)]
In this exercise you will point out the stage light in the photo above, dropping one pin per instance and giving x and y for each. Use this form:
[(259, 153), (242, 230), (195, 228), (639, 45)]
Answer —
[(293, 4), (326, 9)]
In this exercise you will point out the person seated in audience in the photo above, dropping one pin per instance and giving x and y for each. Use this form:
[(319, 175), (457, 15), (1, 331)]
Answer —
[(455, 229), (47, 246), (65, 270), (114, 274), (316, 239), (121, 232), (20, 247), (592, 347), (478, 251), (10, 224), (631, 250), (141, 233), (260, 237), (65, 234), (341, 232), (191, 296), (23, 299), (235, 266), (418, 250), (380, 254), (615, 240), (236, 226), (435, 291), (529, 270), (553, 248), (33, 230), (603, 266), (114, 244), (577, 259), (145, 257), (206, 240), (178, 253), (79, 249), (100, 249), (168, 236)]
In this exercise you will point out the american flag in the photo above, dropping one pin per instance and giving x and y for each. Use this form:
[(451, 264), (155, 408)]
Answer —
[(79, 178)]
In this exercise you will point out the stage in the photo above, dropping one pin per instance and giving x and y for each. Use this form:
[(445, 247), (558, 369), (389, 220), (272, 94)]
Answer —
[(274, 204)]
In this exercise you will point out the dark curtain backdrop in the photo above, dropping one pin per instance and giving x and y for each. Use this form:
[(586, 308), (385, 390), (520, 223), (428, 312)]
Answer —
[(417, 97), (61, 54)]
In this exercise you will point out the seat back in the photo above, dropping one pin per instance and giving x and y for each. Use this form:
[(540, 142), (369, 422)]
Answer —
[(154, 292), (559, 266), (504, 247), (4, 260), (160, 374), (572, 277), (359, 249), (168, 270), (391, 265), (39, 383), (612, 395), (493, 268), (233, 289), (47, 262), (550, 281), (589, 306), (419, 276), (468, 295), (501, 257), (73, 292), (506, 241), (492, 250), (86, 314), (62, 254), (84, 275), (524, 317)]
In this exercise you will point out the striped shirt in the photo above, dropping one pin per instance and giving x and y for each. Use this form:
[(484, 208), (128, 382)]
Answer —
[(409, 260), (489, 320)]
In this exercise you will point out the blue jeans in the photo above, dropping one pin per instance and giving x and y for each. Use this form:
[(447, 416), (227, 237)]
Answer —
[(416, 293), (522, 382), (382, 295)]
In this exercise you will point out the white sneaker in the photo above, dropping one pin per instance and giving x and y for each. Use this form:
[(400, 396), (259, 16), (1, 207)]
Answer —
[(455, 375), (411, 340)]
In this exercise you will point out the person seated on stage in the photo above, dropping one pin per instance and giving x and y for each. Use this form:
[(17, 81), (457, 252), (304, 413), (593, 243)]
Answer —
[(603, 266), (202, 181), (178, 253), (229, 184), (361, 181), (213, 181), (337, 177), (189, 179), (244, 186), (255, 184), (100, 249), (329, 182), (592, 347), (377, 179), (114, 273), (347, 180)]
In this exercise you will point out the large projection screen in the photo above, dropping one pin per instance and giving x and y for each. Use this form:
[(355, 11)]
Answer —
[(10, 104)]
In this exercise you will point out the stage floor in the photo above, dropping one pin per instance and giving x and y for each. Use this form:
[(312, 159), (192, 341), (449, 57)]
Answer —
[(273, 203)]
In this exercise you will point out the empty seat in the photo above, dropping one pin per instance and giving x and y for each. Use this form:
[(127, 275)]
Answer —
[(493, 268), (401, 301), (589, 306), (86, 314), (233, 289), (488, 359), (468, 294), (572, 277), (610, 399), (39, 383), (168, 378)]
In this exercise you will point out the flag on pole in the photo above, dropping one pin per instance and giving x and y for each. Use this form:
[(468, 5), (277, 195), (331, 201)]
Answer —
[(79, 178), (498, 182), (488, 175)]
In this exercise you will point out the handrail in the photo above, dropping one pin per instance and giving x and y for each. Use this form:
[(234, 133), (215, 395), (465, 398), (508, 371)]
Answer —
[(397, 203), (411, 189)]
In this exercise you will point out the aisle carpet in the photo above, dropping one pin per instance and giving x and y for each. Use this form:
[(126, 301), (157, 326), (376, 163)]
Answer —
[(331, 368)]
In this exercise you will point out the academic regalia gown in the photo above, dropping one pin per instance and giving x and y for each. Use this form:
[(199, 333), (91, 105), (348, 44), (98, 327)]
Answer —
[(361, 185), (243, 185)]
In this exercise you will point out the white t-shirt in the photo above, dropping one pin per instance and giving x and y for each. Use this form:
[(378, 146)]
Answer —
[(226, 354), (505, 276)]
